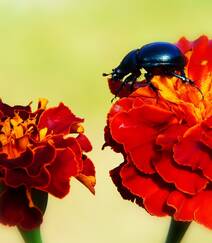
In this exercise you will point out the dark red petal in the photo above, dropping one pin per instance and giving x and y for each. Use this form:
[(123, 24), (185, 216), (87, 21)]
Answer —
[(9, 111), (61, 169), (196, 208), (24, 160), (109, 141), (153, 191), (183, 178), (70, 142), (32, 218), (58, 119), (84, 142), (15, 210), (116, 178), (18, 177), (10, 208), (125, 91), (43, 155), (88, 167), (87, 175)]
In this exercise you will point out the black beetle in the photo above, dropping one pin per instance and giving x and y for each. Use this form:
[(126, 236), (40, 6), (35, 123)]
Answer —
[(157, 58)]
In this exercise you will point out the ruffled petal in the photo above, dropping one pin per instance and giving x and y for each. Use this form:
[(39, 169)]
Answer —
[(43, 156), (20, 176), (125, 193), (126, 90), (24, 160), (15, 210), (87, 175), (9, 111), (61, 169), (167, 138), (196, 208), (84, 142), (197, 156), (183, 178), (184, 44), (58, 119), (149, 188), (197, 67)]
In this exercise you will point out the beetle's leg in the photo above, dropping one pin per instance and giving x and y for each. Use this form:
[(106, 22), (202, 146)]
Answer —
[(123, 83), (131, 78), (148, 76), (180, 76), (187, 80)]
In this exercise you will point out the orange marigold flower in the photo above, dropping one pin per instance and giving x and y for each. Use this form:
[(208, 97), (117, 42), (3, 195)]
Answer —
[(166, 142), (39, 152)]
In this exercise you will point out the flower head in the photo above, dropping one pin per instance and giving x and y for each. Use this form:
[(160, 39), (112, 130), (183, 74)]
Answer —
[(39, 152), (166, 142)]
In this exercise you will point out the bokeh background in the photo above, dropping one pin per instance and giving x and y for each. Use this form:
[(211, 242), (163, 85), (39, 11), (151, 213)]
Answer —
[(58, 49)]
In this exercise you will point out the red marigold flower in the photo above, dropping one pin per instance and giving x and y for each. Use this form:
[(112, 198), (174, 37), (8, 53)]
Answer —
[(167, 142), (39, 152)]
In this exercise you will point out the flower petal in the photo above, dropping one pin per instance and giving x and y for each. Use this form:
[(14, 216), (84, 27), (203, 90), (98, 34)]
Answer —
[(43, 155), (197, 156), (9, 111), (24, 160), (117, 180), (70, 142), (196, 67), (149, 188), (196, 208), (183, 178), (135, 130), (14, 210), (61, 169), (184, 44), (84, 142), (87, 175), (58, 119), (20, 176), (167, 138)]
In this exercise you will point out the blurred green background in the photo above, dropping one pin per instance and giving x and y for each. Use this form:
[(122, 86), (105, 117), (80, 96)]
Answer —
[(58, 49)]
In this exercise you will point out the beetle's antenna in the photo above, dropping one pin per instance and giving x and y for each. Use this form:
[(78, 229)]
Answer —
[(106, 74), (193, 84), (187, 80)]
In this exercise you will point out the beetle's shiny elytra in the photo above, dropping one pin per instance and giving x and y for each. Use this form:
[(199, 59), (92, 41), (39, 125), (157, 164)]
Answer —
[(157, 58)]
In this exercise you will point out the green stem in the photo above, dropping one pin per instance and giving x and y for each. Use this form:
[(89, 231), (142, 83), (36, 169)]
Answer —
[(32, 236), (177, 230)]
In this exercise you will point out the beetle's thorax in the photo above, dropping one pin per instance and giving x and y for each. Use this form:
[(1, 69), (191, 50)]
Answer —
[(161, 54), (129, 64)]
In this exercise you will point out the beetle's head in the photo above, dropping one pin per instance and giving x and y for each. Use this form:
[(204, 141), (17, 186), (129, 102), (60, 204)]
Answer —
[(117, 74)]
